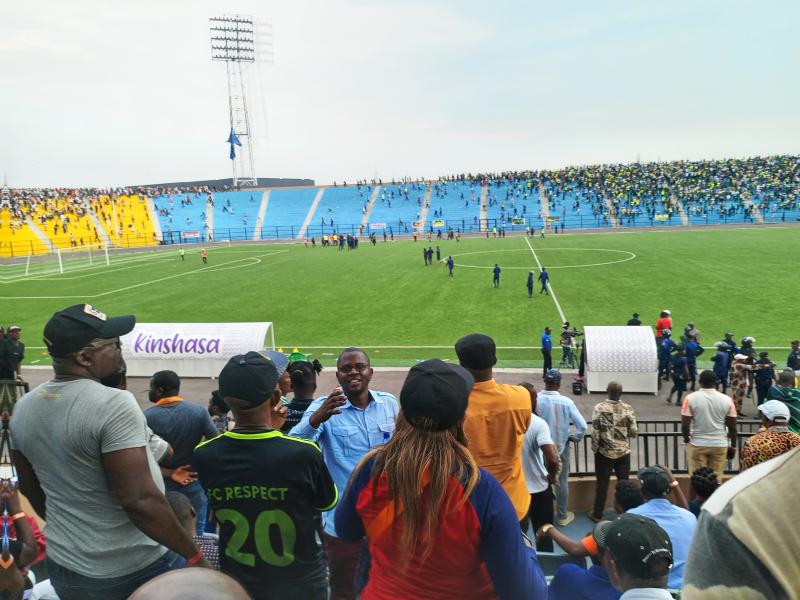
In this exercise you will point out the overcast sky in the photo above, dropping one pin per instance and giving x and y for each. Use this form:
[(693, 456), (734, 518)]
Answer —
[(121, 92)]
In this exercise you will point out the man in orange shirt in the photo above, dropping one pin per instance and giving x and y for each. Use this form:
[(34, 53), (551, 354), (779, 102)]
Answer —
[(497, 418), (665, 322)]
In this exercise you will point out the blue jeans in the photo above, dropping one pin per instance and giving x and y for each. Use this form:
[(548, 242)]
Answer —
[(197, 497), (562, 492), (70, 585)]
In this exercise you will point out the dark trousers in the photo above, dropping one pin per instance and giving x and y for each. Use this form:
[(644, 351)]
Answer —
[(540, 513), (342, 562), (548, 361), (761, 392), (603, 467)]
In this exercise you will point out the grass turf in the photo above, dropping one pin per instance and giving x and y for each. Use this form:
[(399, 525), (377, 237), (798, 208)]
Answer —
[(323, 299)]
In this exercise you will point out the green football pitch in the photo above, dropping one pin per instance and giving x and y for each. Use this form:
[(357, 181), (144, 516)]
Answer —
[(386, 300)]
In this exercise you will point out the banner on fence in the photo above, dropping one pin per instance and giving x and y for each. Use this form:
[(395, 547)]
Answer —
[(662, 217), (553, 219), (518, 221), (377, 225), (191, 349), (417, 224), (438, 223), (191, 234)]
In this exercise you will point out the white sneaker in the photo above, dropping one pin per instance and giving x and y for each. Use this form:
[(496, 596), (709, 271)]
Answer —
[(566, 520)]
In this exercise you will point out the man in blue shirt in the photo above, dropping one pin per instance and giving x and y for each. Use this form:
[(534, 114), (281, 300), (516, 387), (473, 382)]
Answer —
[(529, 284), (347, 423), (544, 277), (560, 412), (450, 265), (547, 350), (665, 348), (496, 277), (679, 523), (572, 582)]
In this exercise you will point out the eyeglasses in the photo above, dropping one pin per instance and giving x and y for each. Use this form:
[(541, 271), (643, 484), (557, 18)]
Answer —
[(106, 342), (351, 368)]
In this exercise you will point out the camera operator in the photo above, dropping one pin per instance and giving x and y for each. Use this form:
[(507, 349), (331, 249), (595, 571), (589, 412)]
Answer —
[(567, 357)]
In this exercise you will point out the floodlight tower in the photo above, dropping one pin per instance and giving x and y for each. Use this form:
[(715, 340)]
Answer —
[(233, 42)]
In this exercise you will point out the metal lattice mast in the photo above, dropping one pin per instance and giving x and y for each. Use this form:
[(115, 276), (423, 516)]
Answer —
[(232, 41)]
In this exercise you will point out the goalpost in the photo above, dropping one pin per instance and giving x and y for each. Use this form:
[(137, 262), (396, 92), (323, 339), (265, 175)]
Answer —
[(67, 259)]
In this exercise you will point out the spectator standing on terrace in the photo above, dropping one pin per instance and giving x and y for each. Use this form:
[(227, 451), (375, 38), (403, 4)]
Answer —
[(777, 439), (540, 466), (746, 544), (303, 374), (634, 321), (639, 553), (436, 523), (81, 452), (16, 350), (219, 411), (664, 322), (785, 391), (793, 361), (740, 368), (613, 425), (547, 350), (679, 523), (265, 487), (497, 419), (183, 425), (347, 424), (708, 424), (560, 413)]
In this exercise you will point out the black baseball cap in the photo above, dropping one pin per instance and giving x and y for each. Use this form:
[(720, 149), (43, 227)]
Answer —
[(435, 395), (73, 328), (654, 480), (476, 351), (639, 545), (252, 377)]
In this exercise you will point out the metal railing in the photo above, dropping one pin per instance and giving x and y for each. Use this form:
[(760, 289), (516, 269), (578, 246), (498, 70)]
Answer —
[(658, 443)]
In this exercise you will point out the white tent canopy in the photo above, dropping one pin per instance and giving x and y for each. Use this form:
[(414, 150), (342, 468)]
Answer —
[(625, 354)]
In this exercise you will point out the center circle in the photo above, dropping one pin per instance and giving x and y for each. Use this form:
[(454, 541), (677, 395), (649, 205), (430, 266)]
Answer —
[(542, 254)]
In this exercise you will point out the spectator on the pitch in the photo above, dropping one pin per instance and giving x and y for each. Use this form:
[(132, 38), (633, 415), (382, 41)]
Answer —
[(497, 418), (613, 426), (347, 423), (303, 374), (560, 413), (183, 425), (639, 553), (259, 480), (702, 484), (763, 375), (708, 425), (540, 465), (219, 412), (187, 517), (433, 518), (572, 582), (77, 441), (755, 510), (634, 321), (776, 439), (657, 484), (793, 361), (205, 584)]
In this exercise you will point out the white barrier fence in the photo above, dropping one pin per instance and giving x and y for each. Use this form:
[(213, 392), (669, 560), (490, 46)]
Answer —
[(191, 349)]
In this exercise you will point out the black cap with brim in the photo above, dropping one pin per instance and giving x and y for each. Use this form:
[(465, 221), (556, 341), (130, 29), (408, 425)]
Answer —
[(476, 351), (73, 328), (250, 377), (654, 480), (435, 395), (639, 545)]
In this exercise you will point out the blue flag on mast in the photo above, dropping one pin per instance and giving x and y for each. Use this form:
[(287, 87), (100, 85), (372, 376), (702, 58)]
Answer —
[(233, 140)]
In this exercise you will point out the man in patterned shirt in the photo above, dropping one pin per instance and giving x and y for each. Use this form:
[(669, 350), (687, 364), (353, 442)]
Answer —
[(613, 424), (777, 439)]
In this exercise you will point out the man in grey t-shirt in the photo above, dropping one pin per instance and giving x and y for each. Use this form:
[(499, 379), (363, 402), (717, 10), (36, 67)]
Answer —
[(80, 449)]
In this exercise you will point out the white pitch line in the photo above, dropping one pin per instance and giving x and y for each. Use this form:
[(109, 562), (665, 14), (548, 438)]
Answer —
[(549, 285)]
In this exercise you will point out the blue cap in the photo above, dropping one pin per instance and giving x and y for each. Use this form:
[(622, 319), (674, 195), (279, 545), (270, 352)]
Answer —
[(553, 375)]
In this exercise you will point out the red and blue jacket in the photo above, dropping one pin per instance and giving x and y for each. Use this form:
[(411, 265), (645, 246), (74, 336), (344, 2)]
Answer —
[(479, 552)]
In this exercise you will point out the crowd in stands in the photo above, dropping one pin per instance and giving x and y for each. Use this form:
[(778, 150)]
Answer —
[(359, 494)]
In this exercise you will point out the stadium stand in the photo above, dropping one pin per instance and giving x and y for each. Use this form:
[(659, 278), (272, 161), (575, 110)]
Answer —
[(286, 212)]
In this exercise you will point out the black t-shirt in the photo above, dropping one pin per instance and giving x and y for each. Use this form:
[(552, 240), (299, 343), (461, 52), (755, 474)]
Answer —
[(294, 413), (265, 489)]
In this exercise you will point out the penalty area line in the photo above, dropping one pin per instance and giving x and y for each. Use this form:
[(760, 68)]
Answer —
[(549, 285)]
